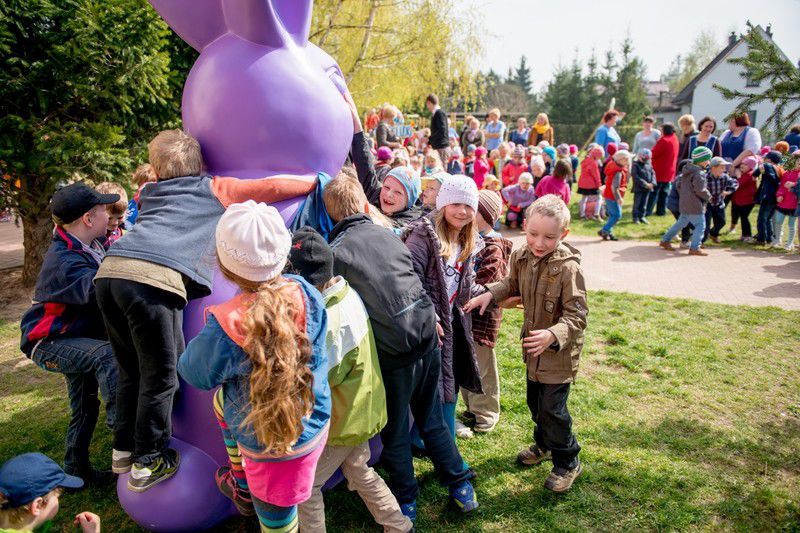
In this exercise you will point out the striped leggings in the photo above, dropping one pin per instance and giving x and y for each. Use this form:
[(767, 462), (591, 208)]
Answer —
[(272, 518)]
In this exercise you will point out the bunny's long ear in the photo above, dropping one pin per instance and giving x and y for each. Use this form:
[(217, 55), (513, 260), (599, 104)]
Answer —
[(296, 17), (269, 22), (198, 22)]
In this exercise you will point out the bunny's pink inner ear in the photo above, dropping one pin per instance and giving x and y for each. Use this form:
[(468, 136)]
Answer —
[(296, 17), (198, 22)]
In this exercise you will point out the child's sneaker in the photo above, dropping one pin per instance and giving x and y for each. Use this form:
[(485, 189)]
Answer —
[(409, 510), (162, 468), (227, 485), (561, 479), (463, 496), (533, 456), (121, 462), (667, 246), (644, 221), (462, 431)]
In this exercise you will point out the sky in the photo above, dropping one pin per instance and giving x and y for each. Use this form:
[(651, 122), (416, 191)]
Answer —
[(548, 32)]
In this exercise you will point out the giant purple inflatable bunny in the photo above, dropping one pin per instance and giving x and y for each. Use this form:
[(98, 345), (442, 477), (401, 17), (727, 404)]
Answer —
[(262, 101)]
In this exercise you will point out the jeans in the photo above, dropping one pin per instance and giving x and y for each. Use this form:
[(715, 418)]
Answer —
[(699, 223), (716, 215), (145, 327), (742, 212), (417, 386), (686, 233), (779, 218), (766, 231), (658, 199), (614, 213), (87, 364), (640, 204), (553, 429)]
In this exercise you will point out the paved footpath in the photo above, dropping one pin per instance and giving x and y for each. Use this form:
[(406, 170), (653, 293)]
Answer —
[(726, 276), (10, 245)]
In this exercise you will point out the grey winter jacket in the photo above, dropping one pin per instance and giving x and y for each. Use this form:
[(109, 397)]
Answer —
[(692, 190), (459, 363)]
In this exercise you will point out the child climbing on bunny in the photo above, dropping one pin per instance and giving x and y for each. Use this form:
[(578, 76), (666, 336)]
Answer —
[(145, 282), (266, 348)]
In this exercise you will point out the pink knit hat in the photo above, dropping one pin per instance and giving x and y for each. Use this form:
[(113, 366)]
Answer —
[(384, 153), (750, 162)]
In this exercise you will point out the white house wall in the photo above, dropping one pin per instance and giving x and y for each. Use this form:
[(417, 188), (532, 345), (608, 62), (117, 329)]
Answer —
[(708, 101)]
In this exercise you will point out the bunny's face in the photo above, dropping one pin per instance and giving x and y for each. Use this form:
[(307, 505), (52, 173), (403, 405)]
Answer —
[(259, 111)]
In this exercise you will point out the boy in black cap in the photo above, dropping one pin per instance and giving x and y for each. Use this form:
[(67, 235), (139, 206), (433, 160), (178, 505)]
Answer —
[(63, 330), (30, 485)]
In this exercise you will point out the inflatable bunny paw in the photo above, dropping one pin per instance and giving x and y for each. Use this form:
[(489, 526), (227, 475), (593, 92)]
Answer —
[(262, 101)]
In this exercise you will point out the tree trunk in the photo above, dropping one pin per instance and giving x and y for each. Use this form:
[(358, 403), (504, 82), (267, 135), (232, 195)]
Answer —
[(37, 233), (362, 54)]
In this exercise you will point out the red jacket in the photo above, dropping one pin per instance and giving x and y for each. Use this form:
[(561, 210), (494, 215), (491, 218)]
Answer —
[(590, 174), (665, 158), (746, 193), (611, 169)]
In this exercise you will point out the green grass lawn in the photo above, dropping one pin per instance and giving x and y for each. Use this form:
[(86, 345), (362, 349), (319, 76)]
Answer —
[(688, 414)]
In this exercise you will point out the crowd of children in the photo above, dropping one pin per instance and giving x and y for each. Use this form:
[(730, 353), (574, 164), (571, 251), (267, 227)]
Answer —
[(335, 336), (362, 324)]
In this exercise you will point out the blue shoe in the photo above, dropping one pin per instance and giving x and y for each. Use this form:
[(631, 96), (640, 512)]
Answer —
[(409, 510), (463, 495)]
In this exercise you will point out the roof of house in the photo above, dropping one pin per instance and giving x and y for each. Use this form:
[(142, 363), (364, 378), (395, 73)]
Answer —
[(685, 94)]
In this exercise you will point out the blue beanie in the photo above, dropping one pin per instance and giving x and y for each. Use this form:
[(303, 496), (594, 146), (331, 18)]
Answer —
[(549, 150), (409, 181)]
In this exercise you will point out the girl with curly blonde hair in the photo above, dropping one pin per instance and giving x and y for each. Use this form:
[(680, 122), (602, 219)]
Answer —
[(266, 347)]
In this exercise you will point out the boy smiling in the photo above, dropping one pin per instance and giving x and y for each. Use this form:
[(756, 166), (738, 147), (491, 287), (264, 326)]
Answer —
[(546, 274)]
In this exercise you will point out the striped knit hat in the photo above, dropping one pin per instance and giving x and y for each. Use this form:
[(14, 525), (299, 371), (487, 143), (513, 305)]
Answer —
[(489, 206), (701, 154)]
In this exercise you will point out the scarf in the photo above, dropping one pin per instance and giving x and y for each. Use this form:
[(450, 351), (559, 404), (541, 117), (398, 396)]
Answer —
[(541, 129)]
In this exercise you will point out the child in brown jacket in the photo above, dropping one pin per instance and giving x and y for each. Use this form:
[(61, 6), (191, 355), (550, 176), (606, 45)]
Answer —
[(547, 275)]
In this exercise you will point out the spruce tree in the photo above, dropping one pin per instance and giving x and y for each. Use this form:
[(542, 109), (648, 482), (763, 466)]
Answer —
[(765, 63), (522, 76)]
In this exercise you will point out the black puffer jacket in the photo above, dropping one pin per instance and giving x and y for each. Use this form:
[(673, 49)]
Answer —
[(459, 364), (378, 266)]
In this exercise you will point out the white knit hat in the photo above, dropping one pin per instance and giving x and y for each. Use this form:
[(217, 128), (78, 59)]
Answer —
[(458, 189), (252, 241)]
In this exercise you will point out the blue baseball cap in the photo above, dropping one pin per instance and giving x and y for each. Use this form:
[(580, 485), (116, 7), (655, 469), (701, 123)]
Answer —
[(32, 475)]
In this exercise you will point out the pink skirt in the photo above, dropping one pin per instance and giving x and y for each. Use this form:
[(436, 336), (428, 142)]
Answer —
[(283, 483)]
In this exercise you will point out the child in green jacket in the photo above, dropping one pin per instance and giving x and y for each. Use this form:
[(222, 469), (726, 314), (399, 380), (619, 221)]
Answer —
[(358, 410)]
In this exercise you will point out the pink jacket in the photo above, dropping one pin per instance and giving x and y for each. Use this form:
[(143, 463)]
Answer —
[(479, 172), (789, 198), (551, 185)]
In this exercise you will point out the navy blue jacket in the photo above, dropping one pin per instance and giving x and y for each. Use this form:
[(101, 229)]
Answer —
[(768, 188), (64, 302)]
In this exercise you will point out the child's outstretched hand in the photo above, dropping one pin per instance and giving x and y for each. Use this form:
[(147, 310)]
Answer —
[(479, 302), (88, 522), (537, 343), (351, 104)]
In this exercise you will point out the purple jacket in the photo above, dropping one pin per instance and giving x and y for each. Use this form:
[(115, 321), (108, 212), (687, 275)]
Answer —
[(515, 196), (459, 364)]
